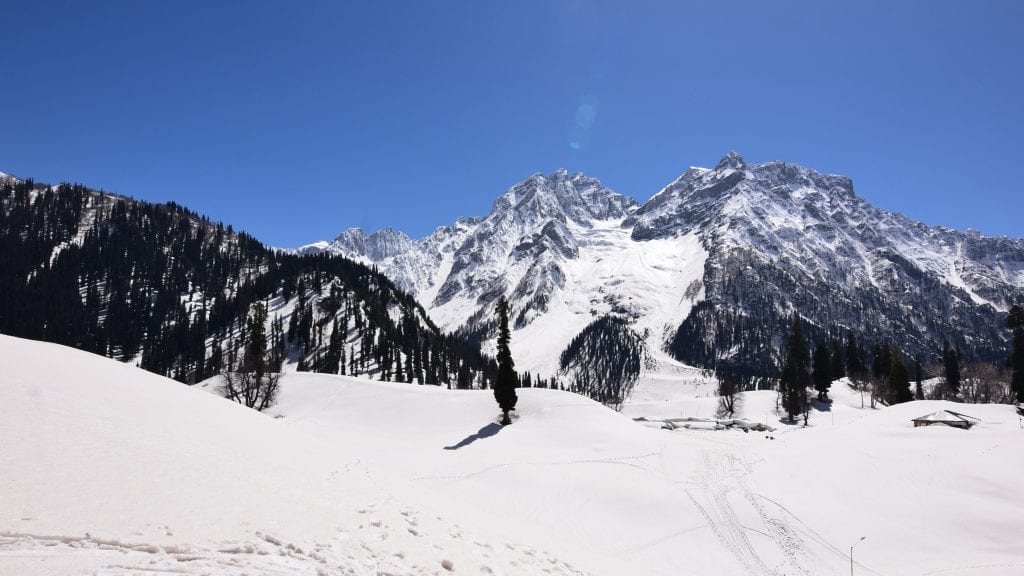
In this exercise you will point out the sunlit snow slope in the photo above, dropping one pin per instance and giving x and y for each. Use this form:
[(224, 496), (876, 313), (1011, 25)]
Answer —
[(108, 470)]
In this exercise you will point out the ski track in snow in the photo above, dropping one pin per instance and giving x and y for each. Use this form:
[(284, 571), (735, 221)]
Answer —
[(720, 483)]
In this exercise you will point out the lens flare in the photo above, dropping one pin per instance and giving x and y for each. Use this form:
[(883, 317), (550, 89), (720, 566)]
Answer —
[(586, 112)]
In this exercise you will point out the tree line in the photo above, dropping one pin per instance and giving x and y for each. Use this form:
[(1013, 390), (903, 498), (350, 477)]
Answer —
[(891, 376)]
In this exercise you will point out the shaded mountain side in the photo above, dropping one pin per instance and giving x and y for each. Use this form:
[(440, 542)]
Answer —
[(751, 302), (163, 287)]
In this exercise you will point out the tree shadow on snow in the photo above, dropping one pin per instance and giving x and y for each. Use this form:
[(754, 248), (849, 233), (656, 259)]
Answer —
[(485, 432), (822, 405)]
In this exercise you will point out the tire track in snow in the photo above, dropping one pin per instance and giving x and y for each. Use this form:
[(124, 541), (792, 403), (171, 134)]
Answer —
[(724, 523), (814, 535), (781, 534)]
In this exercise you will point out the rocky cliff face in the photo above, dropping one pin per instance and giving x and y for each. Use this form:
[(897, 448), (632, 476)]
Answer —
[(519, 250), (785, 239)]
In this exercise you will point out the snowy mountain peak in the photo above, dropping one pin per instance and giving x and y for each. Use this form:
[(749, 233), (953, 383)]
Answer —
[(519, 250), (580, 199), (739, 196), (384, 243), (731, 160)]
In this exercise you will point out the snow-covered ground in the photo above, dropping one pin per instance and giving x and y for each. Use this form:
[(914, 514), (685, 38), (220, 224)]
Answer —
[(105, 469), (109, 470)]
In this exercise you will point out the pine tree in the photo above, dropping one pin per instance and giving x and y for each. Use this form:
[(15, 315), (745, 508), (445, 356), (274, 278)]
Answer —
[(334, 350), (464, 379), (253, 384), (951, 366), (505, 383), (881, 362), (1015, 322), (795, 378), (897, 383), (255, 358), (417, 364), (838, 360), (399, 373), (342, 361), (822, 373), (854, 358), (409, 373), (919, 378)]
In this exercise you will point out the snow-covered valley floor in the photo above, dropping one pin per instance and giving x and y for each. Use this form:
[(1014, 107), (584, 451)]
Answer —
[(106, 469)]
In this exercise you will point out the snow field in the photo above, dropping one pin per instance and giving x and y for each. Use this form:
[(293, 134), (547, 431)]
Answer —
[(106, 469)]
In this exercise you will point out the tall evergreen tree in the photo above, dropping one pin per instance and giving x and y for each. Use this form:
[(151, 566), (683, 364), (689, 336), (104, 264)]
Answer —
[(795, 377), (951, 367), (854, 358), (334, 350), (897, 383), (253, 384), (505, 383), (838, 360), (919, 378), (399, 373), (417, 364), (1015, 322), (822, 372), (255, 357), (881, 362)]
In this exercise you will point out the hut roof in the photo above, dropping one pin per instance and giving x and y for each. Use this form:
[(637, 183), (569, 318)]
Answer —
[(947, 416)]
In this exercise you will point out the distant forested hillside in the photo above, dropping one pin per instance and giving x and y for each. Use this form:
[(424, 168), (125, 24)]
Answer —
[(163, 287)]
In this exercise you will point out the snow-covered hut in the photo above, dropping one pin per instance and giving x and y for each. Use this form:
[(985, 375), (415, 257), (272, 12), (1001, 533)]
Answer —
[(947, 417)]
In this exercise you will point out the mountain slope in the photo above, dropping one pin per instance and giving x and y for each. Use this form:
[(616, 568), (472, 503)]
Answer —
[(710, 269), (784, 239), (165, 288), (555, 247)]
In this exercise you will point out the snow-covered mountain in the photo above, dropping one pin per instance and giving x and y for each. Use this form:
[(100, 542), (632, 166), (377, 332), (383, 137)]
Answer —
[(783, 238), (556, 248), (710, 268)]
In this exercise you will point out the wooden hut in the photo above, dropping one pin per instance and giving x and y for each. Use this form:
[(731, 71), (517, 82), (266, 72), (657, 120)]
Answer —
[(948, 418)]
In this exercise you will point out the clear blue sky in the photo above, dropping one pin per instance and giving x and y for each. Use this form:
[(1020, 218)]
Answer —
[(296, 120)]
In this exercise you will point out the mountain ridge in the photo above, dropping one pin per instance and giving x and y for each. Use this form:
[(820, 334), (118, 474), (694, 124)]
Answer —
[(780, 238), (170, 291)]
